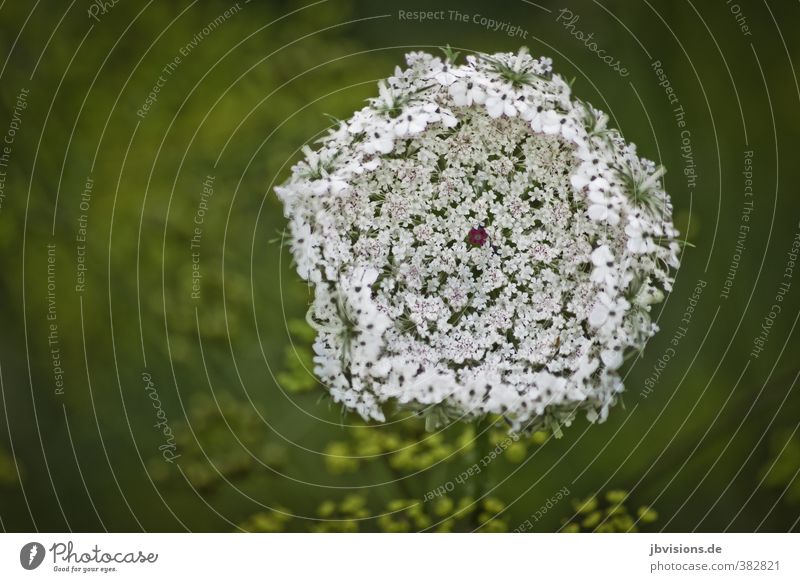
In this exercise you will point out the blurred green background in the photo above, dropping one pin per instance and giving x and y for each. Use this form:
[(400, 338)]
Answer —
[(256, 443)]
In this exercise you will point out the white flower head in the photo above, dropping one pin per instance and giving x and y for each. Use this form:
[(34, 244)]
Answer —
[(481, 243)]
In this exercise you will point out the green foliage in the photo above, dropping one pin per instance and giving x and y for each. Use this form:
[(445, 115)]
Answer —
[(343, 516), (408, 447), (222, 441), (444, 515), (353, 514), (82, 120), (8, 471), (268, 521), (298, 377), (781, 472), (608, 513)]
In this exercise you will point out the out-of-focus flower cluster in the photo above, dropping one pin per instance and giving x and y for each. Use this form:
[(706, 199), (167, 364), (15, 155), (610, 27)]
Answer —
[(608, 513), (480, 242)]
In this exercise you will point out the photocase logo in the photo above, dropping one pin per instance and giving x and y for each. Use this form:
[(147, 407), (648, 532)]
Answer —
[(31, 555)]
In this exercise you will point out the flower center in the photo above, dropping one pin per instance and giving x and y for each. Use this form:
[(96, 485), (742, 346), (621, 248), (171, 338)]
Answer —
[(477, 236)]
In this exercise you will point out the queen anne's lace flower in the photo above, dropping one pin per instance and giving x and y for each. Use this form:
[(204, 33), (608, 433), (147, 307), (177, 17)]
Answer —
[(479, 242)]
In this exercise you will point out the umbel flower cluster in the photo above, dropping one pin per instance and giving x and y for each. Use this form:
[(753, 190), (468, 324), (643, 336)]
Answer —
[(480, 242)]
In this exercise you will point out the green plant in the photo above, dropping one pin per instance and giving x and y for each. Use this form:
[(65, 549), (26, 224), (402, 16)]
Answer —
[(608, 513)]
